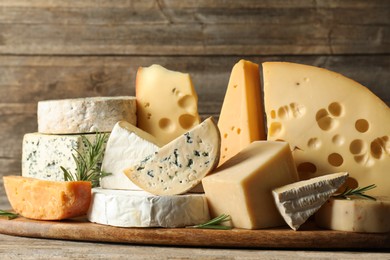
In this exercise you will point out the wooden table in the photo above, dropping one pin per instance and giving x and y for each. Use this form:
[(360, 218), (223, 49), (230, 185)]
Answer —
[(12, 247)]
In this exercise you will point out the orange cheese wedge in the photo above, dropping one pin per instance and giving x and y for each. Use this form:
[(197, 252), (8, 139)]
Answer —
[(47, 200)]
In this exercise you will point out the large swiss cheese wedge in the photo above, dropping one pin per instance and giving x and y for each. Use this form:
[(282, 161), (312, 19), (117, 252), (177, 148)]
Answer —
[(181, 164), (47, 200), (355, 215), (242, 186), (298, 201), (332, 123), (126, 146), (167, 104), (241, 119), (126, 208)]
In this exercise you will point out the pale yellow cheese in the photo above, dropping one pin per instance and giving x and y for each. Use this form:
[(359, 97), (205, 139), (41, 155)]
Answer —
[(241, 119), (356, 215), (166, 102), (332, 123), (242, 187)]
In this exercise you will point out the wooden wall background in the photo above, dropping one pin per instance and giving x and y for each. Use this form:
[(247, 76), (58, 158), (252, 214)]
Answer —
[(51, 49)]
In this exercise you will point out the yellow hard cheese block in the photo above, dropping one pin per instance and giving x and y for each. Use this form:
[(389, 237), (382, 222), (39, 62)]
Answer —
[(331, 122), (241, 119), (356, 215), (167, 104), (242, 187), (47, 200)]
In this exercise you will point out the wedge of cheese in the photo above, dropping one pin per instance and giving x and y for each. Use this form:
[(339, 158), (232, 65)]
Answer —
[(167, 104), (242, 186), (332, 123), (44, 154), (298, 201), (355, 215), (241, 120), (125, 208), (181, 164), (85, 115), (126, 146), (47, 200)]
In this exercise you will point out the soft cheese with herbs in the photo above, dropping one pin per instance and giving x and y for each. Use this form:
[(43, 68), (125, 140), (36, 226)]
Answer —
[(298, 201), (126, 146), (126, 208), (332, 123), (85, 115), (181, 164)]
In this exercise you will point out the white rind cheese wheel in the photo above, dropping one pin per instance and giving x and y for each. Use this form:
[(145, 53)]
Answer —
[(125, 208), (355, 215), (43, 154), (85, 115), (332, 123)]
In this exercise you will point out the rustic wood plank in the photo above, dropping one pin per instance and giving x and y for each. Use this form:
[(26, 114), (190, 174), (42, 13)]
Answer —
[(174, 27)]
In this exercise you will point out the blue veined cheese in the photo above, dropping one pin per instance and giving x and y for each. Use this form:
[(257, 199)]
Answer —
[(43, 154), (298, 201), (127, 208), (181, 164), (126, 146), (85, 115)]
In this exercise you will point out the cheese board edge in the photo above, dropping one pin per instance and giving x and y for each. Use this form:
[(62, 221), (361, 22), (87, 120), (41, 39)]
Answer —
[(308, 237)]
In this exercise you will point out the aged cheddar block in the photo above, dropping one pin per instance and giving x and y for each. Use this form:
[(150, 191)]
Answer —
[(47, 200), (241, 120), (332, 123), (43, 154), (167, 104), (298, 201), (181, 164), (85, 115), (355, 215), (242, 187), (126, 146), (126, 208)]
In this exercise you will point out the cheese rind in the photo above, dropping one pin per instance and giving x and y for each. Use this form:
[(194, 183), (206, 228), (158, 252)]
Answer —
[(241, 120), (47, 200), (298, 201), (332, 123), (355, 215), (140, 209), (181, 164), (85, 115), (242, 186), (43, 154), (126, 146), (166, 102)]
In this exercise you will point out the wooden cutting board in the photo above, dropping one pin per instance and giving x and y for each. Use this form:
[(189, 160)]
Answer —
[(308, 237)]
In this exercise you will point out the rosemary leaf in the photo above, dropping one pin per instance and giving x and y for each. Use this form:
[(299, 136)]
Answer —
[(10, 215), (88, 163), (358, 192), (215, 223)]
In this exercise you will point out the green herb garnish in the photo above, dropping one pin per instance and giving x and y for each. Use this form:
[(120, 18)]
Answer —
[(88, 166), (358, 192), (10, 215), (215, 223)]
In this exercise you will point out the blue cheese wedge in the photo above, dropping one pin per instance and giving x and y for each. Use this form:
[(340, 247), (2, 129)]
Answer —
[(181, 164), (296, 202), (126, 208), (85, 115), (126, 146), (42, 154)]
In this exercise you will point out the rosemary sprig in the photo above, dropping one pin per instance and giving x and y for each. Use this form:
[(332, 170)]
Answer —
[(215, 223), (359, 192), (10, 215), (88, 166)]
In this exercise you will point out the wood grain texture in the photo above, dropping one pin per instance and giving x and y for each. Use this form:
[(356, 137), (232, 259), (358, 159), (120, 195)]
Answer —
[(308, 237), (173, 27)]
